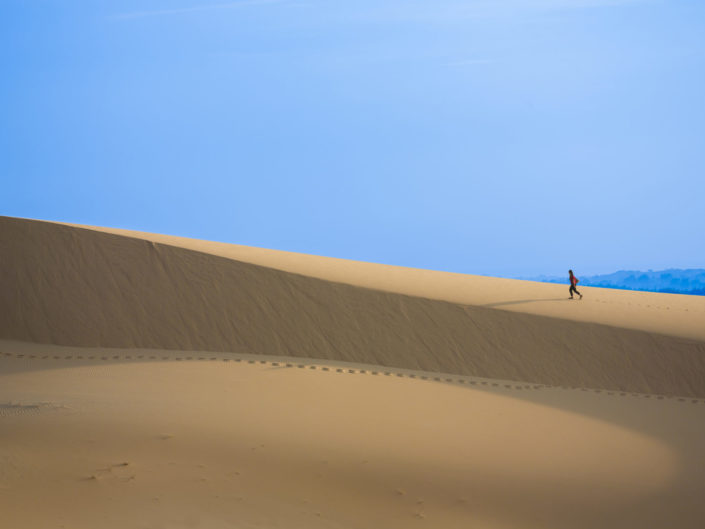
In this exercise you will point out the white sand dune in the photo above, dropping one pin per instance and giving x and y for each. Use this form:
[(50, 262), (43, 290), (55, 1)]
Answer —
[(155, 382)]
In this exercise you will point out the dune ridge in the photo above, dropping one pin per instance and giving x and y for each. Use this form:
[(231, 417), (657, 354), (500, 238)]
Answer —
[(673, 315), (68, 285)]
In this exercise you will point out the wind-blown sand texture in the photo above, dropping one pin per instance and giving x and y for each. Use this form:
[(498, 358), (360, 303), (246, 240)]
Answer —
[(154, 381)]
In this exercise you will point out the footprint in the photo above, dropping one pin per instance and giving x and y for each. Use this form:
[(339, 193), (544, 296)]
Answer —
[(120, 471), (18, 409)]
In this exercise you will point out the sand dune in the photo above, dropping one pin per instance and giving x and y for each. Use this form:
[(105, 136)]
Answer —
[(671, 314), (94, 437), (76, 286), (151, 381)]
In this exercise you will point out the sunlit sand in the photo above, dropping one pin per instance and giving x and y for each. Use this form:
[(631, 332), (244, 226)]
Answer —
[(155, 382)]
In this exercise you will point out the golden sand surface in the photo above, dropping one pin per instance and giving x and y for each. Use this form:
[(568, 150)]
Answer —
[(95, 437), (156, 382), (66, 285)]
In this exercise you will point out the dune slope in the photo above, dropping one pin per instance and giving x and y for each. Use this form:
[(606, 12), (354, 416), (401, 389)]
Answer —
[(165, 439), (67, 285)]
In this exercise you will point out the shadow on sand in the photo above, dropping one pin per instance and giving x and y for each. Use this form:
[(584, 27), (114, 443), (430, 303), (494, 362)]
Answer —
[(520, 301)]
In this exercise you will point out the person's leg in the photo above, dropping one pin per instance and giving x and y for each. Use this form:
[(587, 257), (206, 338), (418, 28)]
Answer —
[(570, 291), (578, 293)]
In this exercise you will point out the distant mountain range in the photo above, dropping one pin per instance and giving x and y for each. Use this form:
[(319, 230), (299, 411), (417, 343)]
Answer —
[(674, 281)]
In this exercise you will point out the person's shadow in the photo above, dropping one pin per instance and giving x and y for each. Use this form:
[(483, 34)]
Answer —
[(520, 301)]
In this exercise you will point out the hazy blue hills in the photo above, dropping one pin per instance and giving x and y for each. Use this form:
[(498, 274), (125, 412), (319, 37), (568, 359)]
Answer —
[(674, 281)]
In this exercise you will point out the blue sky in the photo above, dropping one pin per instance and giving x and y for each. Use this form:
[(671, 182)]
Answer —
[(510, 138)]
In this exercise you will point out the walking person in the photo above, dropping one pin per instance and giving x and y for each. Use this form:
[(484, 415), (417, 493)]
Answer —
[(573, 284)]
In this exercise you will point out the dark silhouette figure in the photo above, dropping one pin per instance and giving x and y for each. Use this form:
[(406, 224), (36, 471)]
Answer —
[(573, 283)]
